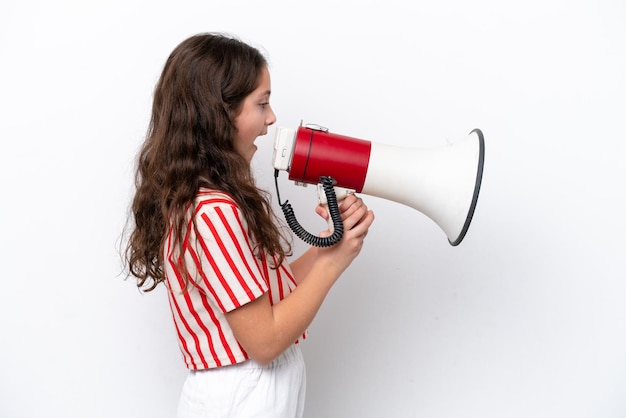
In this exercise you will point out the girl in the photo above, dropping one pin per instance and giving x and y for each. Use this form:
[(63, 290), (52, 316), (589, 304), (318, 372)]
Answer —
[(204, 229)]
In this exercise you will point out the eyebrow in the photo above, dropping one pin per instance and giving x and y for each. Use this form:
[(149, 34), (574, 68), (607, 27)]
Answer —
[(264, 96)]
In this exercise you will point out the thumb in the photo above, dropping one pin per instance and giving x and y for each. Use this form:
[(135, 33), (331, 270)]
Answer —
[(325, 233), (322, 210)]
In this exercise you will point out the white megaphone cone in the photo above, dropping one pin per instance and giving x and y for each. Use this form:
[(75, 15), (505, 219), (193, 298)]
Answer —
[(442, 183)]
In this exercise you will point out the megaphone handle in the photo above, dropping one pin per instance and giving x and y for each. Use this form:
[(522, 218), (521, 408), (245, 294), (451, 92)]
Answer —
[(340, 194)]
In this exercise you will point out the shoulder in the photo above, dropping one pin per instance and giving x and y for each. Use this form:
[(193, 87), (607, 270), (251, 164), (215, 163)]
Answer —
[(217, 219), (212, 198), (210, 203)]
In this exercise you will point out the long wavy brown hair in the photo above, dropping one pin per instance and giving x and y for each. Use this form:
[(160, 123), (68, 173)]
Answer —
[(189, 145)]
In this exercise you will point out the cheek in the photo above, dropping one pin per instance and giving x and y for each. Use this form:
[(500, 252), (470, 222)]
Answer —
[(247, 134)]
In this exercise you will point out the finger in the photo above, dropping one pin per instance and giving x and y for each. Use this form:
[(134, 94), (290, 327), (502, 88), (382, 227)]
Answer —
[(354, 207), (351, 198), (346, 203), (353, 219), (357, 216), (322, 211)]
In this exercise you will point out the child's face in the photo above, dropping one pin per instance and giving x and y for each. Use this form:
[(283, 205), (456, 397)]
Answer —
[(255, 116)]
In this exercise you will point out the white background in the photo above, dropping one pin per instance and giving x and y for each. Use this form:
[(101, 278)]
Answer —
[(526, 318)]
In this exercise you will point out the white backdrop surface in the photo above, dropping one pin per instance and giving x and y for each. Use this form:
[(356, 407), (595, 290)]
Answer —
[(526, 318)]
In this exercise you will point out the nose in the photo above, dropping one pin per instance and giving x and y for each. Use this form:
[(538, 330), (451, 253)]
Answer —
[(271, 117)]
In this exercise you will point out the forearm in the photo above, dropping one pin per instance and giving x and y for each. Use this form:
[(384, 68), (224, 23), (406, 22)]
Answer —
[(294, 314), (265, 331), (301, 266)]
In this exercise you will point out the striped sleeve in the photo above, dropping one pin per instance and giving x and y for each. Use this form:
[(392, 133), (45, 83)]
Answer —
[(230, 275), (224, 273)]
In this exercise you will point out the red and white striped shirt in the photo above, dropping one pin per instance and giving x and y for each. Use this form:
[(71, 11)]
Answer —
[(225, 274)]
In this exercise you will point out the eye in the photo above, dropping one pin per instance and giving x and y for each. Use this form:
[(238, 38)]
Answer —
[(264, 104)]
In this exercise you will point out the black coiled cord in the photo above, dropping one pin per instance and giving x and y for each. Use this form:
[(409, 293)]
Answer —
[(333, 210)]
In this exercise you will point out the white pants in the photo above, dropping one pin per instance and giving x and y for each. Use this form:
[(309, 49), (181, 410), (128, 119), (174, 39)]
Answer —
[(247, 389)]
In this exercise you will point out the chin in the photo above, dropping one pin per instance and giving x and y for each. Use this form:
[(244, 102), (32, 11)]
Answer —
[(251, 155)]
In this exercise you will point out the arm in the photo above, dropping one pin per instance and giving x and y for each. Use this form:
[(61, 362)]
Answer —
[(265, 331), (303, 264)]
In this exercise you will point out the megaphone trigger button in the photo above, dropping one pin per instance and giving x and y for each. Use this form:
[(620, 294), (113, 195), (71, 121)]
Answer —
[(316, 127)]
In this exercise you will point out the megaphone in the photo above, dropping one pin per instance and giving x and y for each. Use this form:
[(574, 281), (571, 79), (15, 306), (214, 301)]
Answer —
[(443, 182)]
